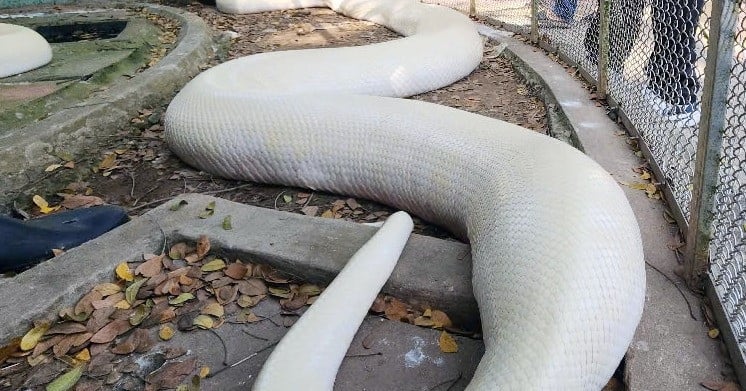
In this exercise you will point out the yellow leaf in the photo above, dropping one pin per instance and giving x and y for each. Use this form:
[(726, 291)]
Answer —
[(428, 313), (43, 204), (83, 355), (124, 272), (214, 265), (447, 343), (423, 321), (214, 309), (122, 304), (33, 336), (108, 161), (203, 322), (166, 333), (328, 214), (645, 175), (107, 289), (52, 167), (204, 371), (713, 333)]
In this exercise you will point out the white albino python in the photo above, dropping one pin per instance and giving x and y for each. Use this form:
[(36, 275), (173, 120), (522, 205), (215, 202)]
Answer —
[(558, 268), (21, 49)]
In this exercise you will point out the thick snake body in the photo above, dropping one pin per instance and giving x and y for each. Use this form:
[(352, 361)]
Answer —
[(558, 269), (21, 49)]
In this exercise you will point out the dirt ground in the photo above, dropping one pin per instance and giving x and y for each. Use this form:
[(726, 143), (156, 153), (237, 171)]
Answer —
[(136, 170)]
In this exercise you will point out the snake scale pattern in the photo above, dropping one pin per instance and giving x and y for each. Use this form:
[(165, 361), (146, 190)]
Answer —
[(558, 268)]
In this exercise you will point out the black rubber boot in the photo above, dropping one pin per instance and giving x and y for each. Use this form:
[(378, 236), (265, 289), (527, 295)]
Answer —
[(30, 242)]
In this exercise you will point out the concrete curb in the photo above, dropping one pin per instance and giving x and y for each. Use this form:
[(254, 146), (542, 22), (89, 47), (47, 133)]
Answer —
[(75, 129), (670, 351), (312, 247)]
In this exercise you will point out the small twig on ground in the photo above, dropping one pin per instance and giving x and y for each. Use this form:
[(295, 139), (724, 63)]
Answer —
[(307, 201), (222, 342), (278, 197), (241, 361), (132, 189), (254, 335), (152, 189), (678, 288), (365, 354), (162, 200)]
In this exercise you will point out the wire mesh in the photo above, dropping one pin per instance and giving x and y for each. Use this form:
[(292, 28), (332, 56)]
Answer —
[(728, 246), (657, 55)]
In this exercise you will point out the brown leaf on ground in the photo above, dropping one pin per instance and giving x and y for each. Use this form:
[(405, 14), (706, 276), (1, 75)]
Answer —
[(99, 318), (296, 303), (150, 267), (124, 347), (379, 305), (179, 250), (111, 331), (172, 373), (77, 201), (352, 203), (64, 345), (44, 345), (66, 328), (252, 287), (447, 343), (110, 301), (84, 305), (226, 294), (236, 270), (440, 319), (203, 246), (395, 310)]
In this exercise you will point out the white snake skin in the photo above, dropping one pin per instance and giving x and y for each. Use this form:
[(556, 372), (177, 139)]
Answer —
[(558, 267), (21, 49)]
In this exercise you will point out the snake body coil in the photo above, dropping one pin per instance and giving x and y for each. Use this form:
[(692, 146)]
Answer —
[(558, 269)]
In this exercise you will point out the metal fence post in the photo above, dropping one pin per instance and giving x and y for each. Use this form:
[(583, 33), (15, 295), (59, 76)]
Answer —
[(710, 140), (534, 35), (602, 85)]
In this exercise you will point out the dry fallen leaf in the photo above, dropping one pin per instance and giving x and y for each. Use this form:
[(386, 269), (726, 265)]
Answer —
[(111, 331), (123, 272), (166, 333), (33, 336), (83, 355), (150, 267), (395, 310), (447, 343), (203, 246), (107, 289), (214, 309), (203, 322), (43, 205), (236, 271), (77, 201), (67, 380)]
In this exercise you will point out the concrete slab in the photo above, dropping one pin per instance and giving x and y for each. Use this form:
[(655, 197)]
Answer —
[(25, 151), (671, 350), (430, 271)]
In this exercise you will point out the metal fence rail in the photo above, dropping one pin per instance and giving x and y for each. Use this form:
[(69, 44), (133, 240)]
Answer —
[(676, 72)]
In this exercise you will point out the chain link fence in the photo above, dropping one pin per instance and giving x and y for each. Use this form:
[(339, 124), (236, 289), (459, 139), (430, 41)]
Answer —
[(674, 71)]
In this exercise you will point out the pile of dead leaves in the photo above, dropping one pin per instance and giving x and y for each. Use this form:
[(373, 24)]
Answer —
[(95, 343), (150, 300)]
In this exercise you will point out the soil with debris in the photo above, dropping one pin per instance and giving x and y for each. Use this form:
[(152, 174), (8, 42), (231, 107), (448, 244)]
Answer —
[(136, 170)]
